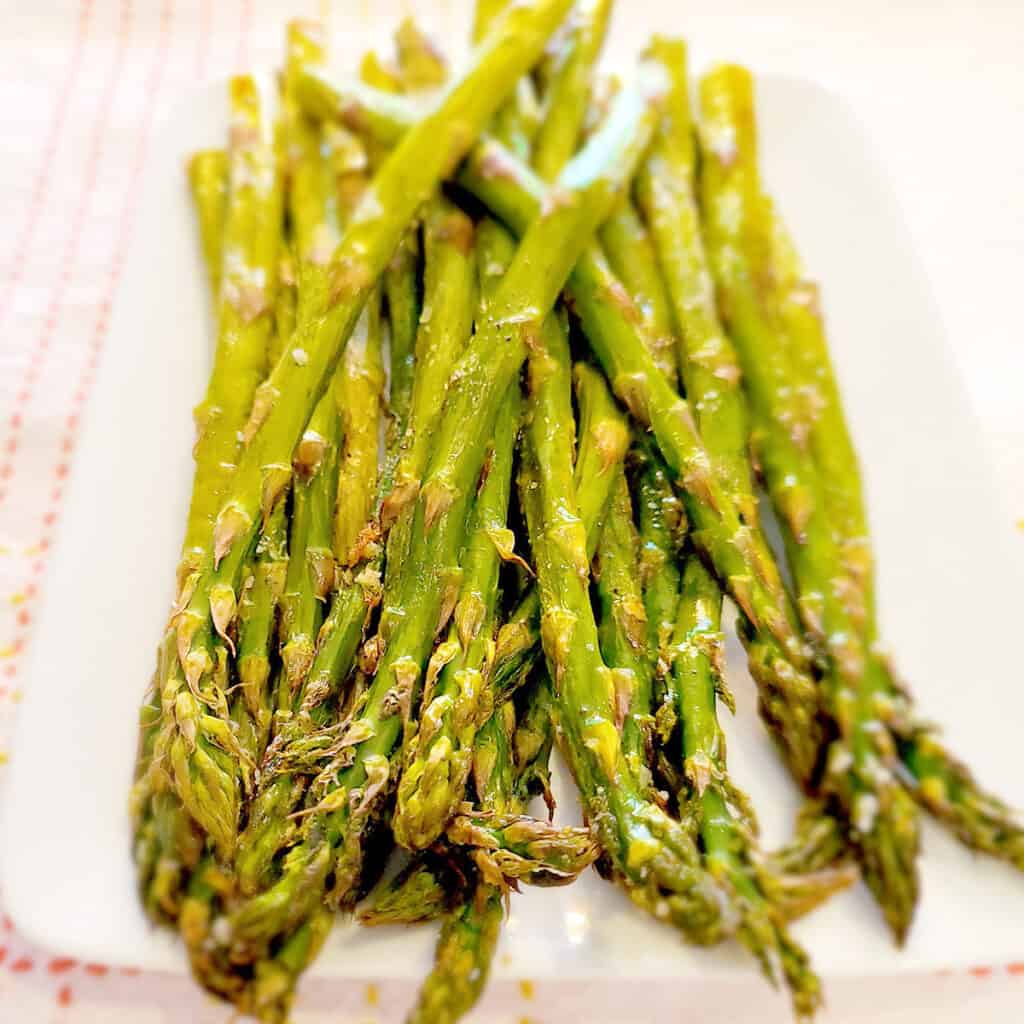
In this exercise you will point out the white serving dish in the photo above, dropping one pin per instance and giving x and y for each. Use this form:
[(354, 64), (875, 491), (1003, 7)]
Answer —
[(948, 592)]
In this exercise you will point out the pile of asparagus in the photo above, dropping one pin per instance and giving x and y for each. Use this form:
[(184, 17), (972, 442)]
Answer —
[(504, 360)]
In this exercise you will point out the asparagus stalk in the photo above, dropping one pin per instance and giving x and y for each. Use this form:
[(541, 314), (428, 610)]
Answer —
[(518, 119), (285, 308), (859, 771), (632, 257), (450, 275), (285, 773), (510, 765), (568, 93), (662, 524), (358, 393), (740, 554), (208, 177), (424, 890), (421, 64), (654, 857), (195, 742), (622, 631), (401, 287), (310, 574), (436, 757), (348, 791), (207, 779), (603, 442), (469, 934), (726, 832), (350, 408)]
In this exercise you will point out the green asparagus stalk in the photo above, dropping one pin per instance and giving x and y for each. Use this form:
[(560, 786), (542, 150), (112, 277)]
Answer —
[(450, 276), (349, 409), (662, 524), (316, 214), (632, 256), (603, 442), (379, 74), (741, 556), (709, 365), (345, 797), (654, 857), (518, 119), (726, 832), (195, 742), (422, 891), (510, 765), (402, 292), (568, 94), (457, 699), (859, 771), (469, 935), (359, 394), (310, 575), (420, 63), (401, 287), (286, 306), (622, 631), (208, 177), (208, 778), (257, 623), (285, 773)]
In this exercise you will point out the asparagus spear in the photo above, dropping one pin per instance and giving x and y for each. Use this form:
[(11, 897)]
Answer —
[(457, 699), (319, 162), (285, 308), (286, 400), (345, 799), (622, 631), (445, 324), (631, 253), (436, 757), (422, 891), (310, 574), (518, 119), (603, 441), (663, 525), (741, 556), (569, 90), (859, 771), (192, 745), (208, 177), (654, 857), (469, 934), (510, 765), (421, 64), (726, 833)]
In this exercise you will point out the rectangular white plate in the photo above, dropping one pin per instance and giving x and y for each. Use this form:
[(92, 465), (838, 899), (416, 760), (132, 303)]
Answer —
[(949, 596)]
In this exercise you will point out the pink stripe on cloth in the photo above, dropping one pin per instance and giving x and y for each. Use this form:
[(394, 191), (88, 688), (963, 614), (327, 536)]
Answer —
[(69, 264), (43, 177)]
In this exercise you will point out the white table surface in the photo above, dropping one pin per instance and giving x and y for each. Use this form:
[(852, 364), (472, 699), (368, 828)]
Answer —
[(941, 87)]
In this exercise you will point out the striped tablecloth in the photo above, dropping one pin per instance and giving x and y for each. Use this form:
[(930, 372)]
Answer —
[(84, 84)]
